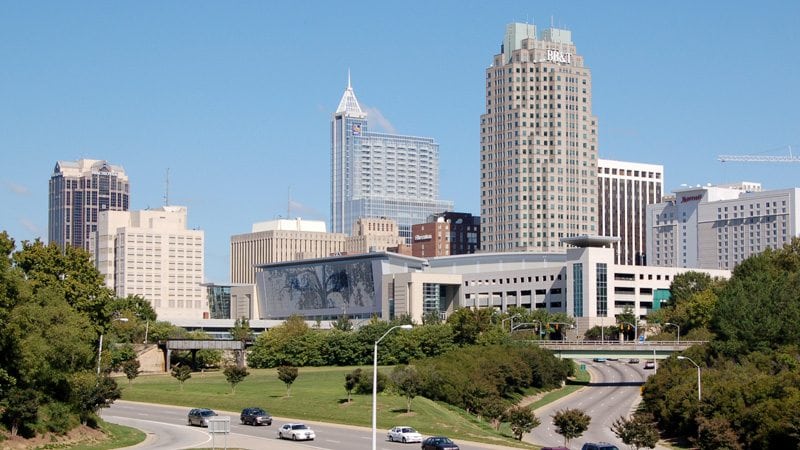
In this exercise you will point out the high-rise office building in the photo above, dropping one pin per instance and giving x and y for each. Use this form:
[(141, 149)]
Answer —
[(538, 144), (379, 175), (79, 190), (625, 190), (152, 253)]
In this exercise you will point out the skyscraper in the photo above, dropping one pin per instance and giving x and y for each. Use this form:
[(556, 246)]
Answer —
[(78, 191), (538, 144), (379, 175), (625, 189)]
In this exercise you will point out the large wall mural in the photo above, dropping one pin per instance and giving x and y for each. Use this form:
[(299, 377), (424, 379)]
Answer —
[(329, 289)]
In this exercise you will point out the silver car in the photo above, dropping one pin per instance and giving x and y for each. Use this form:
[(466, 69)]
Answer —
[(200, 416)]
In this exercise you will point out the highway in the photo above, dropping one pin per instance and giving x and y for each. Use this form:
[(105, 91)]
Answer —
[(613, 392), (167, 430)]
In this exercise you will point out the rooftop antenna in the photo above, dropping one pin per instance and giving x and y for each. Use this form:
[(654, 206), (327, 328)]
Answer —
[(166, 190), (348, 78)]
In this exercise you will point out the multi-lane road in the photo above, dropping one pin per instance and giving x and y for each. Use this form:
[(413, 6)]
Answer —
[(613, 392), (166, 429)]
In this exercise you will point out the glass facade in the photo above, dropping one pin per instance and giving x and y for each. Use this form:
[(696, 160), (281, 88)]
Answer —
[(219, 301), (432, 298), (380, 175), (577, 288), (602, 290)]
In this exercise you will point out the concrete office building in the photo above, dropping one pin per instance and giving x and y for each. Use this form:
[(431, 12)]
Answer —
[(538, 144), (280, 240), (720, 226), (583, 282), (379, 175), (152, 253), (79, 191), (291, 240), (449, 233), (625, 189)]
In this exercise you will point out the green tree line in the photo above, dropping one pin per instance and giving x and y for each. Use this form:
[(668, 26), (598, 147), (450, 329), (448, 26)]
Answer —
[(750, 370)]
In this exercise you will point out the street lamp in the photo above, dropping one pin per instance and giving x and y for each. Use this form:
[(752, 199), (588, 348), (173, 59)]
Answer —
[(679, 329), (503, 322), (100, 344), (699, 386), (375, 381)]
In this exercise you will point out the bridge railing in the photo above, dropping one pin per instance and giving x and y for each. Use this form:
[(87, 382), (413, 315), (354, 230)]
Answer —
[(612, 343)]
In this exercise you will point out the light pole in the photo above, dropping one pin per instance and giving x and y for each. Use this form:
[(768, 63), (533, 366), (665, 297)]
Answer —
[(679, 329), (535, 322), (100, 344), (699, 386), (375, 381), (503, 322)]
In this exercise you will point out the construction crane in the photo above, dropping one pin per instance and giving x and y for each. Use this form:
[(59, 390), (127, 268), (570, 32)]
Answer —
[(760, 158)]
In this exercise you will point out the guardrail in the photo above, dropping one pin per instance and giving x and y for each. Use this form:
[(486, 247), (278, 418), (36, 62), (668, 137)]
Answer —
[(618, 343)]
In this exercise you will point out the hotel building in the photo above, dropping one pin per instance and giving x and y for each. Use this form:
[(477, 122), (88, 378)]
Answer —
[(538, 144), (717, 227)]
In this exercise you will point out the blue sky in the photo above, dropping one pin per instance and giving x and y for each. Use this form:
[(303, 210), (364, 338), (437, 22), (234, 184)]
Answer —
[(235, 98)]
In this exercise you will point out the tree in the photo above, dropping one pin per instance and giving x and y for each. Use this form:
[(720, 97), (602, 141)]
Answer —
[(181, 373), (686, 284), (571, 423), (351, 380), (638, 431), (90, 392), (493, 409), (468, 324), (287, 374), (522, 420), (21, 410), (716, 434), (131, 369), (343, 323), (407, 382), (241, 330), (235, 375)]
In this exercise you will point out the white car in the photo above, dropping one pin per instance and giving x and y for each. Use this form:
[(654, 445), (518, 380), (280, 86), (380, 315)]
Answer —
[(296, 432), (404, 435)]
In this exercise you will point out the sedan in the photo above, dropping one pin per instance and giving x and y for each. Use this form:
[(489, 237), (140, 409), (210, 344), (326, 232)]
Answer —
[(296, 432), (438, 443), (200, 416), (649, 365), (633, 361), (404, 435), (255, 416)]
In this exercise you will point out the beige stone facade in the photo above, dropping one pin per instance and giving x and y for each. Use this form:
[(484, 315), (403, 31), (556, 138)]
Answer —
[(151, 253), (538, 144)]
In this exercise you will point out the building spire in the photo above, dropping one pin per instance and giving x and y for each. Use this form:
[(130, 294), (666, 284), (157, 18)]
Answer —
[(349, 104)]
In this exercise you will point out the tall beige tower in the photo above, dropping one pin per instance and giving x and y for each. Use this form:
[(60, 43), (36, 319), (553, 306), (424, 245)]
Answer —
[(538, 144)]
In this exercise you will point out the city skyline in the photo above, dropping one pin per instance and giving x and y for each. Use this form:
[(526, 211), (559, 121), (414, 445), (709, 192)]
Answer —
[(234, 115)]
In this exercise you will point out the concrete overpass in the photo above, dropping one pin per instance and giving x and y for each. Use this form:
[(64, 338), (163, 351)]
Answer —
[(615, 349)]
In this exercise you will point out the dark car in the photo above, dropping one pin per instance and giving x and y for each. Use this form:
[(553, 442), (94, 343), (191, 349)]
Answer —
[(255, 416), (599, 446), (438, 443), (633, 361), (200, 416), (555, 448)]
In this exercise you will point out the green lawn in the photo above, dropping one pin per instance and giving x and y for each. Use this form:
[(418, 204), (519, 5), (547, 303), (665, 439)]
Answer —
[(317, 394)]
